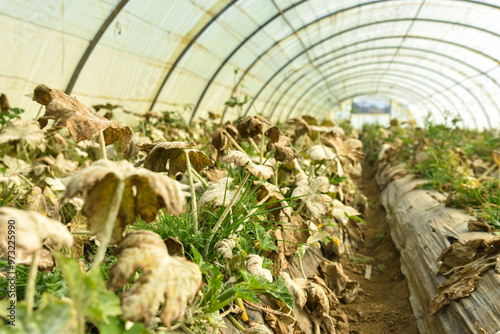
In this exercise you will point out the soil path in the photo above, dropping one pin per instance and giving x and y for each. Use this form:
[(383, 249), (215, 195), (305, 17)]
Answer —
[(384, 306)]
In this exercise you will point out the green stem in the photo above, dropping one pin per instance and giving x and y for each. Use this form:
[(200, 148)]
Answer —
[(102, 146), (30, 285), (194, 208), (224, 214), (23, 146), (236, 323), (110, 224)]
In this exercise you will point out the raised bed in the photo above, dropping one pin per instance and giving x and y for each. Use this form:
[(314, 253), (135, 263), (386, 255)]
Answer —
[(421, 227)]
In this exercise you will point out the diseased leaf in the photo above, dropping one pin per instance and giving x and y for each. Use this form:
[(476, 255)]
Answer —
[(162, 274), (242, 159), (254, 267), (26, 131), (297, 288), (251, 126), (320, 153), (162, 152), (350, 148), (144, 194), (81, 121), (218, 194), (340, 211), (31, 228)]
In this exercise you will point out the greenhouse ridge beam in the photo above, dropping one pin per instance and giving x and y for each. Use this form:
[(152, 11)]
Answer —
[(296, 70), (114, 13), (235, 50), (187, 48)]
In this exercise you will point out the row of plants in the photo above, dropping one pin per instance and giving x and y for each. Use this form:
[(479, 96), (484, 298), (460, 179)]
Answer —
[(460, 162), (171, 227)]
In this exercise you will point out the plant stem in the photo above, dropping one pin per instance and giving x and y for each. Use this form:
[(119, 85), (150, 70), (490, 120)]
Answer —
[(194, 207), (301, 267), (224, 214), (244, 316), (110, 224), (231, 139), (186, 329), (261, 154), (102, 146), (199, 177), (252, 142), (30, 285), (235, 323), (296, 213), (82, 232), (311, 172)]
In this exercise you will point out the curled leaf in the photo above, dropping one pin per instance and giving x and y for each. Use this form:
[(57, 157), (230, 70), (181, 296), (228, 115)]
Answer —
[(251, 126), (31, 229), (81, 121), (144, 194), (177, 278), (218, 194), (350, 148), (225, 247), (254, 267), (162, 152), (320, 153), (242, 159)]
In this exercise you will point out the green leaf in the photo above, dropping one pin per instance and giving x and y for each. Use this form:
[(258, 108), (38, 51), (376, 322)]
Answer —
[(259, 284), (53, 316), (91, 299), (265, 240), (338, 180), (116, 326)]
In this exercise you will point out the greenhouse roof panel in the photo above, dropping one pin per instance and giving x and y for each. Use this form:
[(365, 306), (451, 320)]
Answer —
[(288, 56)]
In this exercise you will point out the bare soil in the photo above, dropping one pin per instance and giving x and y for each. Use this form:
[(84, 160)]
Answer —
[(384, 306)]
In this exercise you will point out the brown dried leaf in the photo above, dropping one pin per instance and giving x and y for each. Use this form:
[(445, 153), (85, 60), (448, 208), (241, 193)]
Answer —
[(31, 229), (275, 323), (162, 274), (79, 223), (81, 121), (295, 233), (351, 148), (297, 288), (174, 246), (475, 225), (144, 194), (459, 285), (4, 103), (251, 126), (317, 204), (335, 278), (460, 253), (256, 328), (159, 155)]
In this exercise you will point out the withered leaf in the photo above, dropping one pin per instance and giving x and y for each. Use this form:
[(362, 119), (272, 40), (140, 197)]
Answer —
[(174, 246), (144, 194), (256, 328), (225, 247), (251, 126), (476, 225), (275, 323), (459, 285), (496, 157), (318, 204), (218, 194), (179, 279), (320, 153), (254, 267), (4, 103), (81, 121), (242, 159), (26, 131), (159, 155), (44, 202), (340, 211), (32, 228), (350, 148), (297, 288)]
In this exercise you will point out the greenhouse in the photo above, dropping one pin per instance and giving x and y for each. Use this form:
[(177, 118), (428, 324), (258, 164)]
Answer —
[(250, 166)]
